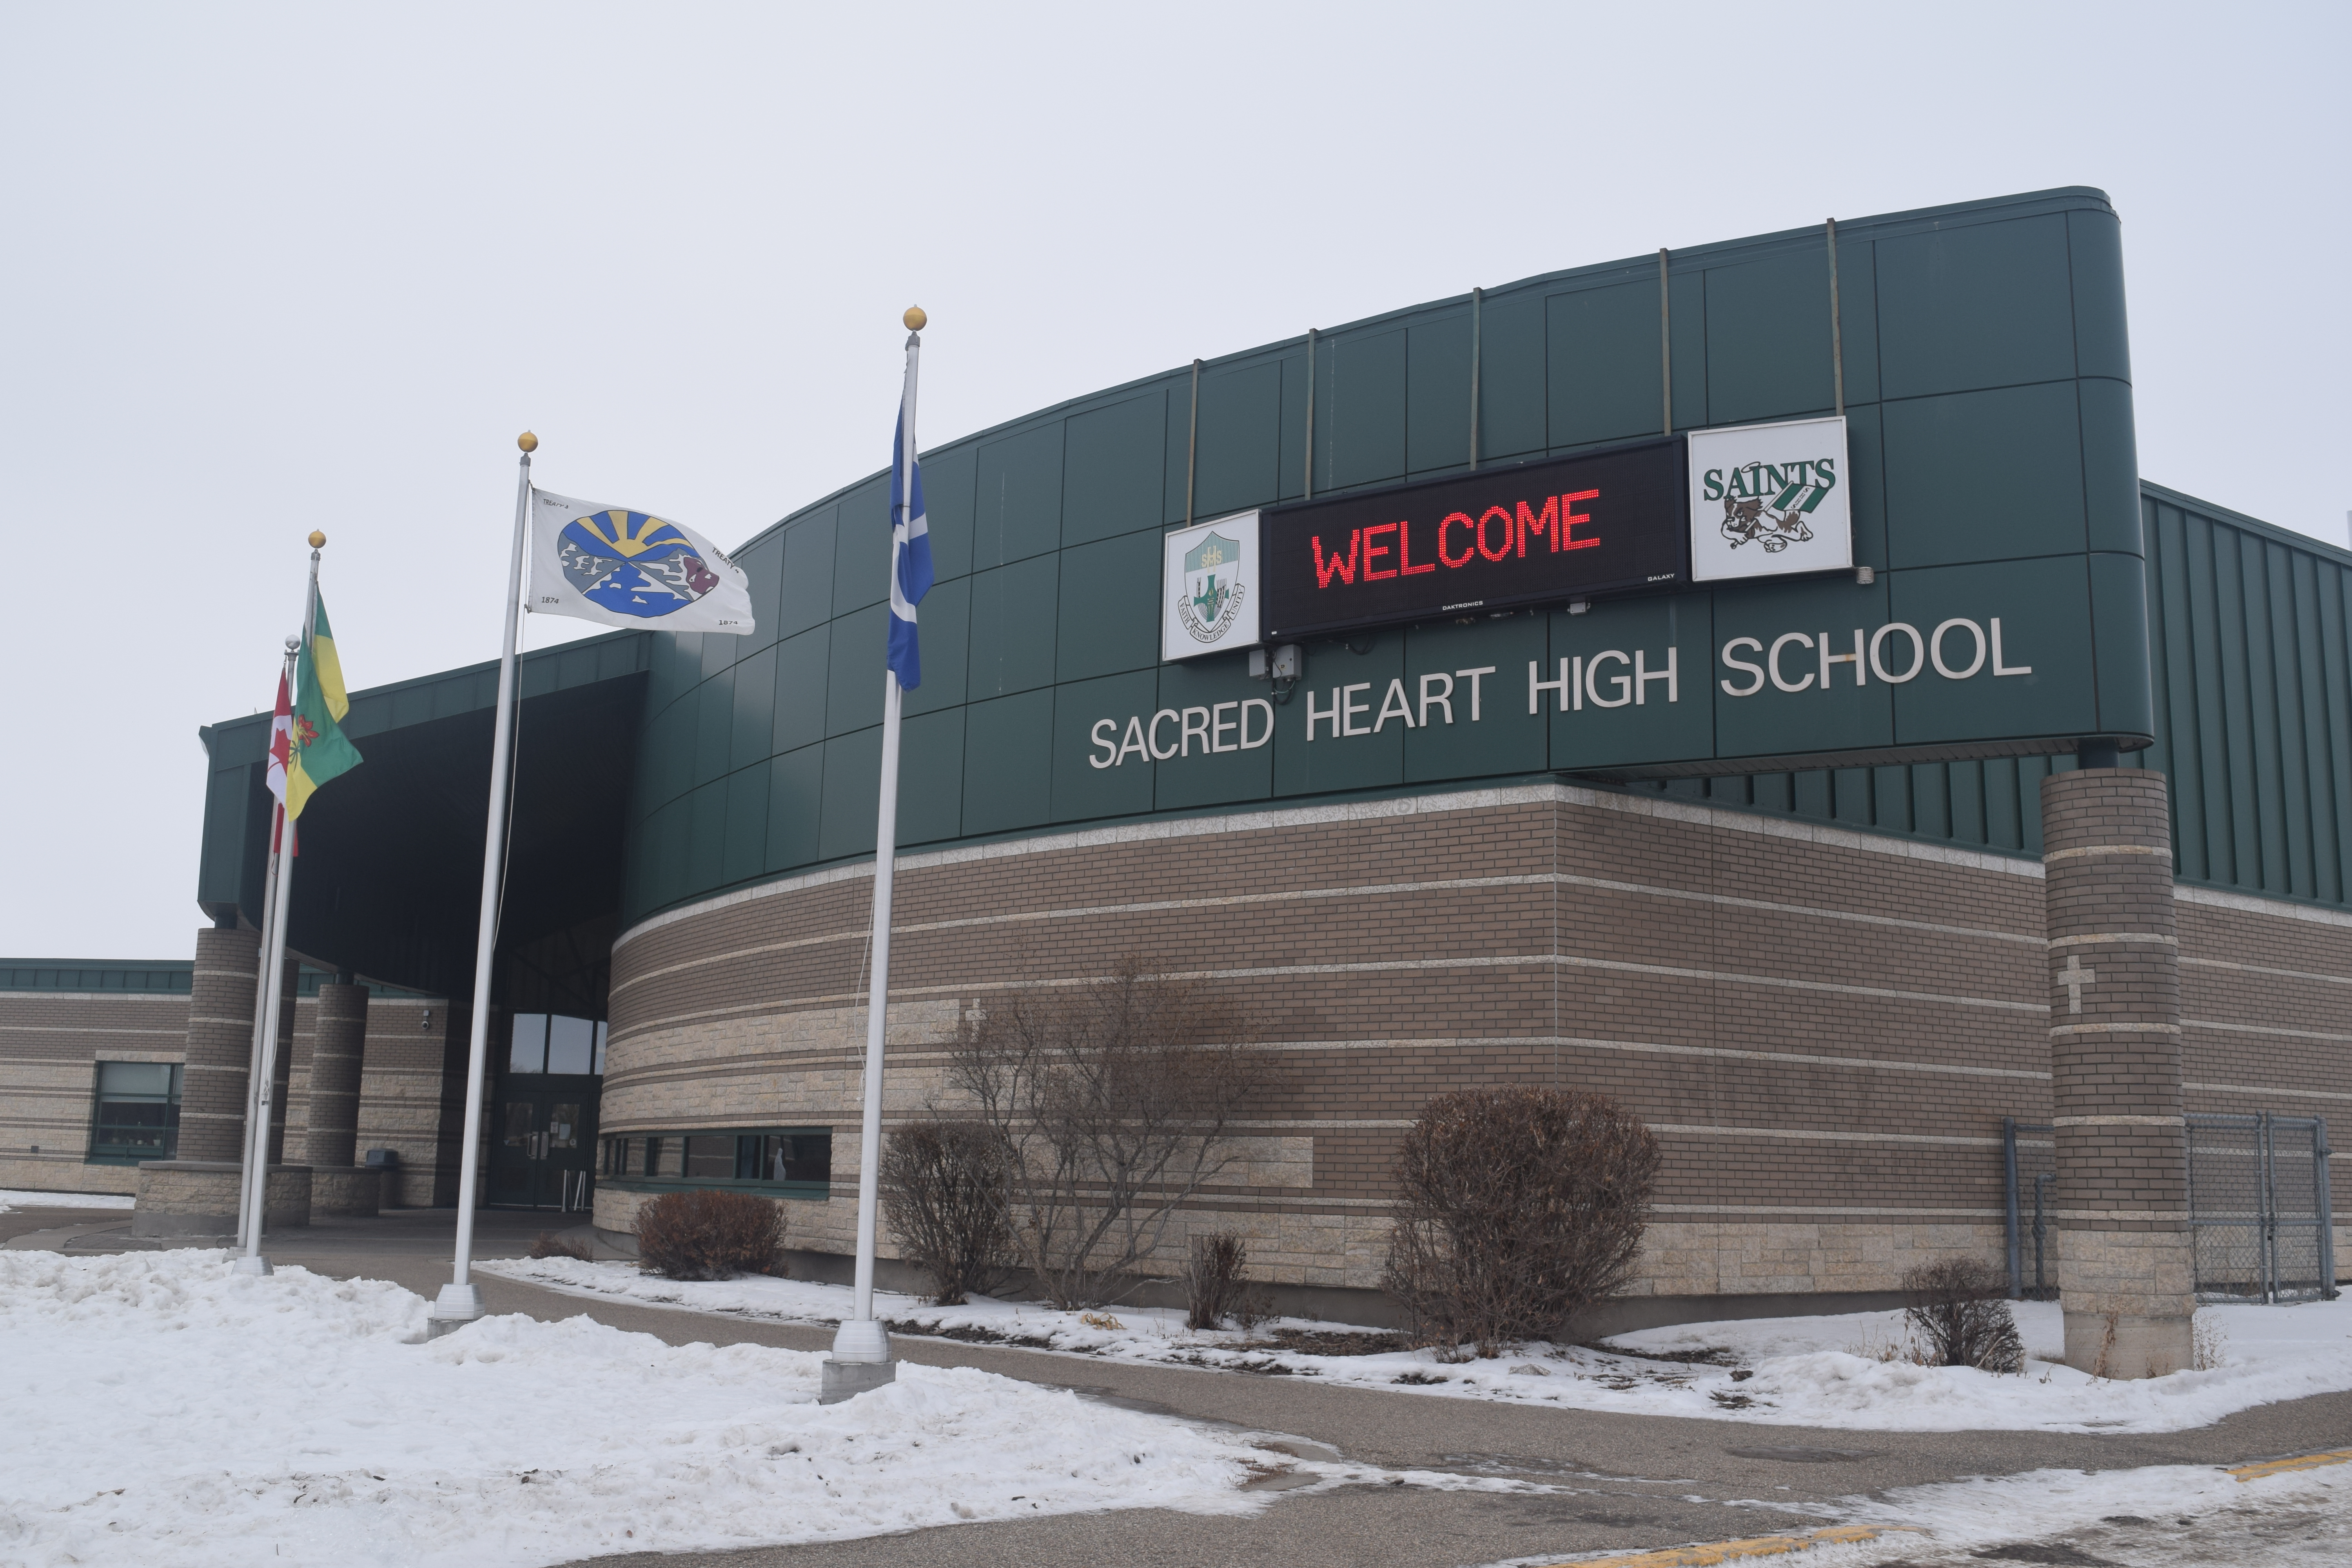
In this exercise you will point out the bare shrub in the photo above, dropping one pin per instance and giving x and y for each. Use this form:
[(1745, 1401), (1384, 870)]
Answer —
[(1958, 1309), (944, 1196), (550, 1244), (1111, 1103), (711, 1236), (1215, 1278), (1517, 1209)]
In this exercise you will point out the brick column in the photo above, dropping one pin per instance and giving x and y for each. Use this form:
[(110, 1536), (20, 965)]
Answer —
[(2125, 1279), (336, 1051), (220, 1044)]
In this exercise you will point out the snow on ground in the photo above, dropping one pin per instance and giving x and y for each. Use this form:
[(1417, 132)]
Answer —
[(163, 1409), (1843, 1370), (16, 1200)]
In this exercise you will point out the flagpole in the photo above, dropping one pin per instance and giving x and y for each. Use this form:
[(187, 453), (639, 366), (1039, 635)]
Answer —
[(255, 1186), (460, 1301), (861, 1350), (269, 918)]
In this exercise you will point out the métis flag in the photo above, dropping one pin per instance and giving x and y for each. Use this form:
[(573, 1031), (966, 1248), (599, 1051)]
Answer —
[(307, 747), (911, 554)]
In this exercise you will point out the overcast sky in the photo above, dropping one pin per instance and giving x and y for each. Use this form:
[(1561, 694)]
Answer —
[(270, 268)]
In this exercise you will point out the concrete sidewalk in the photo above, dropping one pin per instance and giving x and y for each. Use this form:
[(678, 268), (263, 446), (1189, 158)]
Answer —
[(1634, 1481)]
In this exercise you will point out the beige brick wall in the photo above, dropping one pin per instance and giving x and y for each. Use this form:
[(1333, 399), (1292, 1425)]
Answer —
[(1825, 1028)]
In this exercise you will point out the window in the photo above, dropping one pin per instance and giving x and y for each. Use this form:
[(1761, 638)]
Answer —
[(555, 1043), (138, 1112), (797, 1162)]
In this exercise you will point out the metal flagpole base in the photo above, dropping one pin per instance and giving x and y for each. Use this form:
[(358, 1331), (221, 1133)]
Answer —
[(256, 1265), (456, 1306), (860, 1360)]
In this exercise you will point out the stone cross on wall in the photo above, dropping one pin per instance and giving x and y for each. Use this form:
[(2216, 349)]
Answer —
[(2074, 977)]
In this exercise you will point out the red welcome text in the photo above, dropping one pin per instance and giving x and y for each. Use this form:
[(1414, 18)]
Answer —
[(1497, 534)]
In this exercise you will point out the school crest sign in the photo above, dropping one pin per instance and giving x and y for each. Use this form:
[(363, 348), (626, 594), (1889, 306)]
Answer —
[(1209, 598), (1769, 500)]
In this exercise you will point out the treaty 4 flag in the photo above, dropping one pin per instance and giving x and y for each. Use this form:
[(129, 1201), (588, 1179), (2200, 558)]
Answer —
[(630, 568)]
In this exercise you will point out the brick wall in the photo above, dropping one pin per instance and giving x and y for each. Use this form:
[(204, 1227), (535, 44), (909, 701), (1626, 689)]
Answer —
[(50, 1045), (1825, 1028)]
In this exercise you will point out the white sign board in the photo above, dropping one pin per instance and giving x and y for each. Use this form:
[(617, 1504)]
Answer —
[(1769, 500), (1209, 588)]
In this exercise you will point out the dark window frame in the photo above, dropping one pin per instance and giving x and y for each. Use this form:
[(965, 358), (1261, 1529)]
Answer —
[(623, 1161), (101, 1151)]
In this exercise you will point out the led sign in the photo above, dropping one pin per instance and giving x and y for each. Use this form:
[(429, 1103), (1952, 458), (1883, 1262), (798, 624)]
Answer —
[(1533, 533)]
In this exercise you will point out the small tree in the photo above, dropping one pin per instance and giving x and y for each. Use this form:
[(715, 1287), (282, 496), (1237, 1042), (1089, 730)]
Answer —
[(1958, 1308), (1110, 1101), (706, 1235), (943, 1194), (1518, 1208)]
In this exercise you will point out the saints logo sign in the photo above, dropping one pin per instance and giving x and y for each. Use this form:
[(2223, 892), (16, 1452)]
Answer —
[(1208, 597), (1769, 500), (1766, 503)]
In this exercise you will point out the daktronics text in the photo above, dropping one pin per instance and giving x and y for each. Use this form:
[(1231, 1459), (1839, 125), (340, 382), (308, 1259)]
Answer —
[(1523, 535)]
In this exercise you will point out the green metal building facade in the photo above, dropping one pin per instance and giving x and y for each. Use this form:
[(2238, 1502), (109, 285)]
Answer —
[(1985, 377)]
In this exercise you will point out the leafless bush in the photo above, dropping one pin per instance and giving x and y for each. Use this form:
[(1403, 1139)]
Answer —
[(943, 1194), (1958, 1310), (1111, 1103), (1517, 1209), (1215, 1278), (550, 1244), (710, 1235)]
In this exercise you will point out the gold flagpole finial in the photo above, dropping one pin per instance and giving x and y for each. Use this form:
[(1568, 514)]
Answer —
[(526, 441), (318, 540), (915, 319)]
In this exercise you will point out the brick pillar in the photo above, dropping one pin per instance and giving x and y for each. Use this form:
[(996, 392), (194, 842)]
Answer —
[(220, 1044), (2125, 1279), (337, 1046)]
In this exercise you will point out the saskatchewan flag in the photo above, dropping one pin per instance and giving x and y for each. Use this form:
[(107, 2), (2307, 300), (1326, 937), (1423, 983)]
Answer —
[(317, 750)]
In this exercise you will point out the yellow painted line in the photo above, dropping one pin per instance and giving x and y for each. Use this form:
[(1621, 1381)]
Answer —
[(1716, 1552), (2300, 1462)]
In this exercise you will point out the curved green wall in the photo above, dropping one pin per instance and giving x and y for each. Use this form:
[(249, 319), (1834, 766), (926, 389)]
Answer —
[(1986, 380)]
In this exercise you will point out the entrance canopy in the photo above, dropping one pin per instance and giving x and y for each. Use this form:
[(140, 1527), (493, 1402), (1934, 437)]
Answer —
[(388, 881)]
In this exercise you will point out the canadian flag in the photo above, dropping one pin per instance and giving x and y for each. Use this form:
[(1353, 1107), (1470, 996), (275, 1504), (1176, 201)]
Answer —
[(281, 750)]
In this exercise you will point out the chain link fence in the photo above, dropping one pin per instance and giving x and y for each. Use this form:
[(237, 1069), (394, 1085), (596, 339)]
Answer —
[(2259, 1211)]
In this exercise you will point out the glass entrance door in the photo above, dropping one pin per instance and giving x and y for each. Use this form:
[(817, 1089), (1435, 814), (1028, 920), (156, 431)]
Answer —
[(542, 1138), (544, 1129)]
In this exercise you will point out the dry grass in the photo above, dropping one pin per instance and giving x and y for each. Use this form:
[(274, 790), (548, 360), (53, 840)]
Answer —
[(550, 1244)]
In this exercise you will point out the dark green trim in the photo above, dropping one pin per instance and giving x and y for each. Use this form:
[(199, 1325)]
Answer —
[(803, 1190), (171, 975), (621, 1180)]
